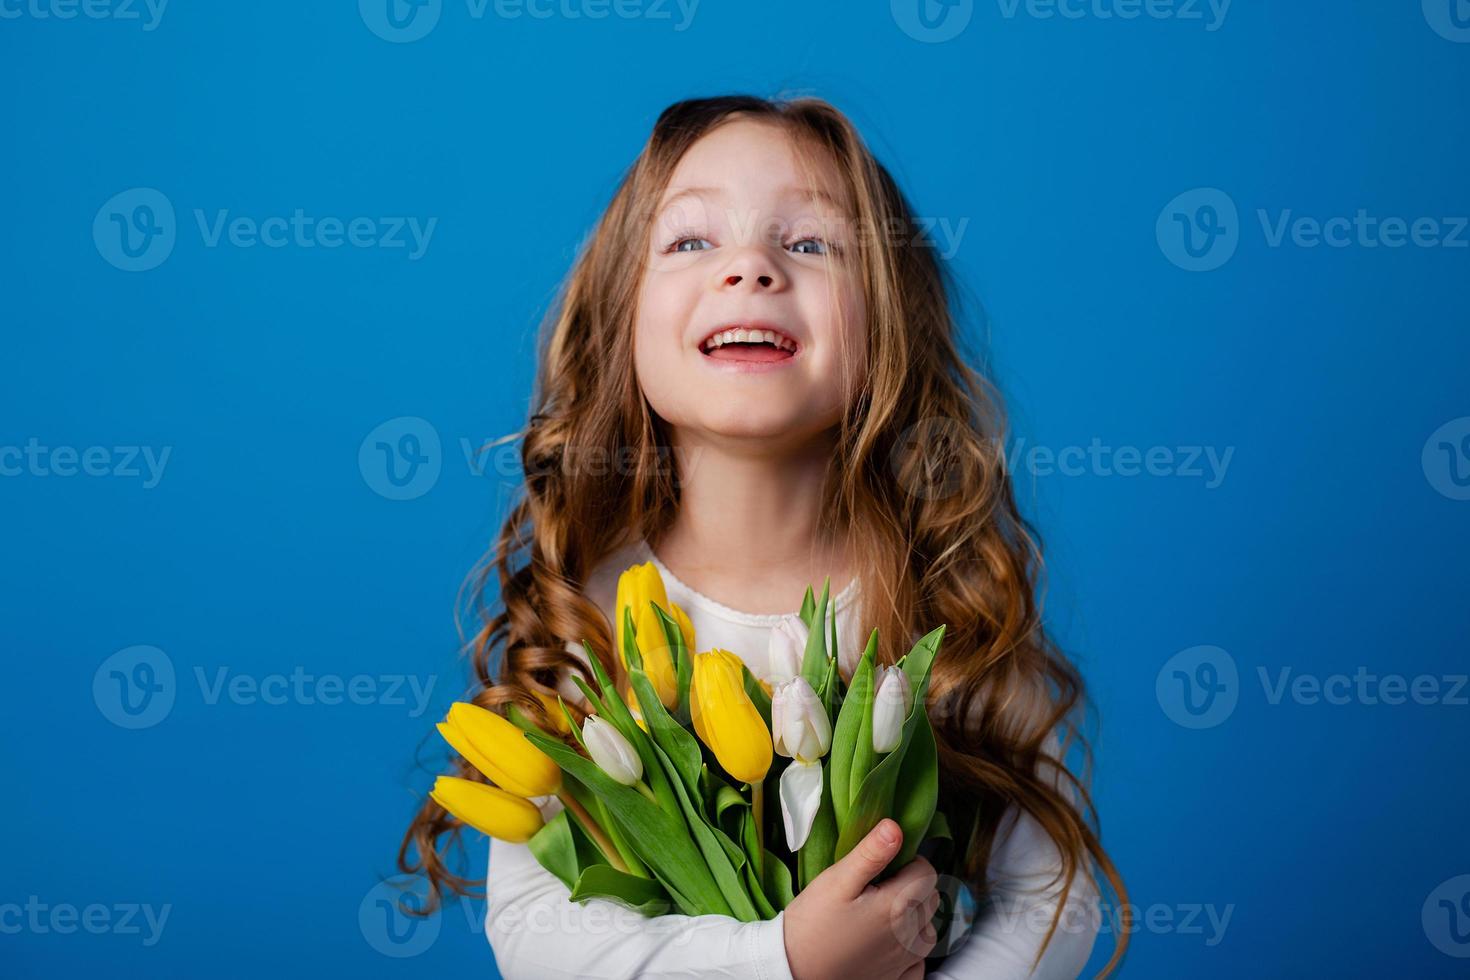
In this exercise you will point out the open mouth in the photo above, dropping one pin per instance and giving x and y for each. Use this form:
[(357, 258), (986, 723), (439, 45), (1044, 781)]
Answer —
[(752, 346)]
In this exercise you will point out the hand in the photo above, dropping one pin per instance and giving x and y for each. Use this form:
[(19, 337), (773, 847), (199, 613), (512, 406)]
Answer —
[(840, 925)]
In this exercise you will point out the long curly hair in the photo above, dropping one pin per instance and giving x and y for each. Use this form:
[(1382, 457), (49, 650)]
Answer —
[(917, 483)]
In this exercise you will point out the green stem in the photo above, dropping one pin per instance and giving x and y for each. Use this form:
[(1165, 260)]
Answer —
[(642, 787), (757, 803)]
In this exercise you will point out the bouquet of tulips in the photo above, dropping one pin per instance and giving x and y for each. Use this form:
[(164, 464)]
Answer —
[(659, 817)]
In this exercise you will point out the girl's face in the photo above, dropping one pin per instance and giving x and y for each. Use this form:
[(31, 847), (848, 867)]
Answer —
[(740, 240)]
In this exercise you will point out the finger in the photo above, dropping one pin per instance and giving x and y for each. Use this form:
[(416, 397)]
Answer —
[(916, 881), (931, 905), (915, 972), (928, 937), (861, 865)]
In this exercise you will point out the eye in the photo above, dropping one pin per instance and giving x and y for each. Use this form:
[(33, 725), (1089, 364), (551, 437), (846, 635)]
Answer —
[(810, 246), (687, 240)]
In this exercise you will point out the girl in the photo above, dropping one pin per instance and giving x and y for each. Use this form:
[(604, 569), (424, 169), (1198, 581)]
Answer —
[(753, 381)]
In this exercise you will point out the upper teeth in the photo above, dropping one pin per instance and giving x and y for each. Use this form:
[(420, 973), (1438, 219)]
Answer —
[(750, 337)]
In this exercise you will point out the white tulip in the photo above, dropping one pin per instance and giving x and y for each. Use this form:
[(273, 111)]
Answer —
[(800, 727), (891, 705), (612, 752), (786, 647), (801, 797)]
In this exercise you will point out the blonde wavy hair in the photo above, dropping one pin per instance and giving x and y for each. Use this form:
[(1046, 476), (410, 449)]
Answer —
[(917, 483)]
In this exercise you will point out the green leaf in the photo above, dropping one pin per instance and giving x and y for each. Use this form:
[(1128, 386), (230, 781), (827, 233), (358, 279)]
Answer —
[(917, 791), (874, 798), (681, 747), (555, 849), (757, 889), (661, 839), (616, 712), (716, 857), (814, 660), (758, 695), (808, 604), (571, 722), (777, 881), (683, 662), (815, 855), (631, 653), (852, 736), (642, 895)]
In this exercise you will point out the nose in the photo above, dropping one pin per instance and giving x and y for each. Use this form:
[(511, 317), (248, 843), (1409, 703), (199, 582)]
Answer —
[(750, 268)]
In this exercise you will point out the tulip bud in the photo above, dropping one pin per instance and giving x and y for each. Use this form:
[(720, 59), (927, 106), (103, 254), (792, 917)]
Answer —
[(786, 647), (726, 719), (488, 809), (500, 751), (611, 751), (799, 722), (891, 705), (638, 588)]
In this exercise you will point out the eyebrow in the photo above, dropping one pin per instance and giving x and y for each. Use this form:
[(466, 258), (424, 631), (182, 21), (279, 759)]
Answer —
[(782, 193)]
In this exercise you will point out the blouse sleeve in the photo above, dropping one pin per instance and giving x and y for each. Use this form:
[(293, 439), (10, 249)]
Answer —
[(1009, 932), (538, 933)]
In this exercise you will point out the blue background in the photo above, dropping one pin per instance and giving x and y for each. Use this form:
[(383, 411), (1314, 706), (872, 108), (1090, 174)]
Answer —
[(269, 547)]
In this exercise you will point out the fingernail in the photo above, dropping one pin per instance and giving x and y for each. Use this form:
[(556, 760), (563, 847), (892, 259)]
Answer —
[(888, 830)]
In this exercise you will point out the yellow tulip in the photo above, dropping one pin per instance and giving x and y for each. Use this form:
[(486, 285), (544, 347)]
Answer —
[(637, 587), (488, 809), (631, 700), (558, 720), (726, 719), (500, 751)]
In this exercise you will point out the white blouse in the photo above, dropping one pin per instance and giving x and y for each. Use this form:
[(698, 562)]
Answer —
[(538, 934)]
